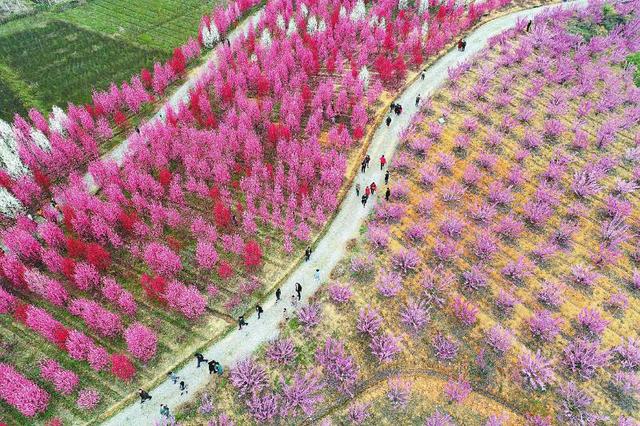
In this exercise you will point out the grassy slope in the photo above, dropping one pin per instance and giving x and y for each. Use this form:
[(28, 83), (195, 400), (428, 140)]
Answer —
[(60, 55)]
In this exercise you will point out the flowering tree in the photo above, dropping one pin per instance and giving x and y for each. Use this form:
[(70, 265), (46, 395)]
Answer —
[(141, 342), (21, 393)]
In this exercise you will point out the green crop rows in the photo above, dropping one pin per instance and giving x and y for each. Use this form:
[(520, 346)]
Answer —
[(59, 56)]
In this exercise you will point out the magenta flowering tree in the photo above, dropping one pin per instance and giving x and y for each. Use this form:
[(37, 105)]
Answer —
[(544, 326), (464, 311), (185, 299), (457, 390), (21, 393), (389, 284), (141, 341), (628, 354), (591, 322), (309, 316), (302, 394), (584, 358), (536, 371), (415, 315), (88, 399), (340, 294), (63, 380), (263, 408), (162, 260), (551, 294), (206, 254), (103, 321), (575, 406), (475, 279), (358, 413), (384, 347), (405, 261), (399, 392), (369, 321), (499, 339), (445, 347), (341, 369), (248, 377), (281, 351)]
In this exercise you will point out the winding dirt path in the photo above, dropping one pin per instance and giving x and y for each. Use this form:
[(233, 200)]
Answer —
[(346, 225)]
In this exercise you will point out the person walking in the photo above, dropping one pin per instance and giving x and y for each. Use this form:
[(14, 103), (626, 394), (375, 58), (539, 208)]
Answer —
[(183, 388), (422, 75), (242, 322), (164, 411), (307, 254), (299, 290), (174, 378), (464, 45), (383, 161), (357, 189), (367, 191), (144, 395), (294, 302), (392, 107), (212, 366), (387, 194), (219, 369), (278, 294), (417, 100), (316, 276), (367, 159), (373, 187), (388, 120), (460, 45), (364, 200), (259, 310), (529, 25), (363, 167), (386, 178), (200, 358)]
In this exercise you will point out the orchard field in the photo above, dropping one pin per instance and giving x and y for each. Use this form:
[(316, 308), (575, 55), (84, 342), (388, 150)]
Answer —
[(499, 284), (208, 210), (60, 54)]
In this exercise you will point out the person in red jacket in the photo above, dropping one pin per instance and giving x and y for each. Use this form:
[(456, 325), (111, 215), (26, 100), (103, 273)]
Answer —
[(373, 188), (383, 161)]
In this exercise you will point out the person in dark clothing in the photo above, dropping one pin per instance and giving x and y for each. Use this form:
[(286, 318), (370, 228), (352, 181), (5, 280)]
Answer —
[(144, 395), (299, 290), (183, 388), (387, 194), (278, 294), (398, 109), (241, 322), (367, 159), (464, 45), (164, 411), (373, 187), (138, 128), (386, 178), (228, 43), (392, 106), (417, 100), (364, 200), (460, 45), (357, 189), (212, 366), (200, 358), (422, 75), (307, 254), (388, 121), (259, 310), (529, 25), (363, 166)]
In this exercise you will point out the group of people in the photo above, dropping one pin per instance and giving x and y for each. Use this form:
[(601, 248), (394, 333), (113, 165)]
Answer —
[(370, 189), (462, 45)]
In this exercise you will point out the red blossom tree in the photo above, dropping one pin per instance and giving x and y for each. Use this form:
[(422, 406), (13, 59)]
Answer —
[(252, 254), (221, 215), (122, 368)]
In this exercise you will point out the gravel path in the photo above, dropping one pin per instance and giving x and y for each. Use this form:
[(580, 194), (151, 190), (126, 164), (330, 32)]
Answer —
[(346, 225), (180, 95)]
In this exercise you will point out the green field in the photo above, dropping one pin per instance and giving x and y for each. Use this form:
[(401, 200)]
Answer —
[(635, 59), (60, 55)]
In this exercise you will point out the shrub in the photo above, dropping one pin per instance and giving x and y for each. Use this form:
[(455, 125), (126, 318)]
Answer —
[(445, 348), (263, 408), (303, 393), (63, 380), (592, 322), (309, 316), (466, 312), (575, 406), (544, 326), (340, 368), (499, 338), (340, 293), (369, 321), (415, 315), (628, 354)]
